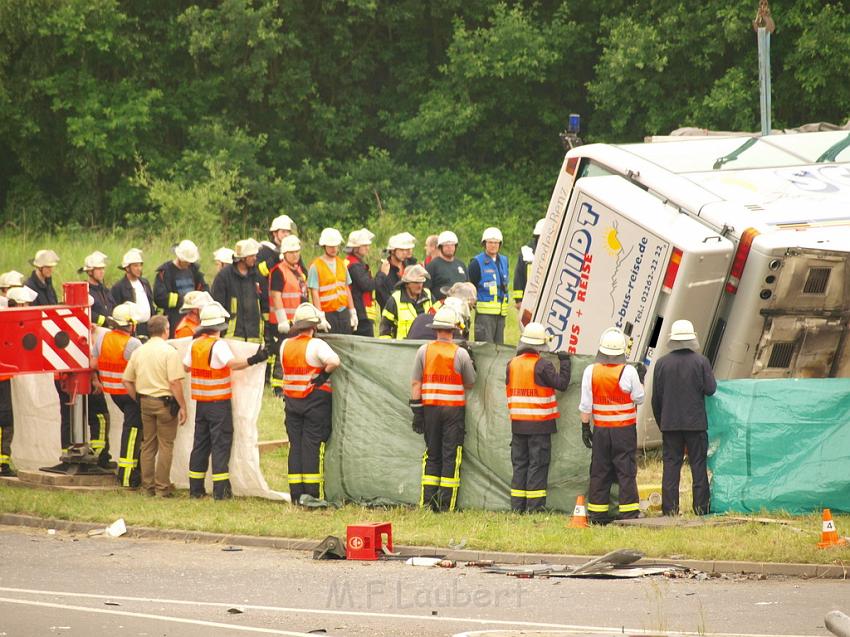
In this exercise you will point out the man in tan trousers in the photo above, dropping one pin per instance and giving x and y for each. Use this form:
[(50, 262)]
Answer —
[(154, 376)]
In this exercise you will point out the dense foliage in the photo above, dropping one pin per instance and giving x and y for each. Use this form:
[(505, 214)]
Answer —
[(221, 114)]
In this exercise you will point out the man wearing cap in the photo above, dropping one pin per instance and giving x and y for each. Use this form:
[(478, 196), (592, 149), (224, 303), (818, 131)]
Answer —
[(522, 272), (209, 361), (135, 288), (154, 376), (192, 304), (410, 299), (328, 281), (307, 366), (237, 290), (95, 268), (442, 372), (175, 278), (681, 381), (445, 269), (531, 382), (362, 281), (41, 279), (488, 270), (110, 353), (399, 256), (610, 393)]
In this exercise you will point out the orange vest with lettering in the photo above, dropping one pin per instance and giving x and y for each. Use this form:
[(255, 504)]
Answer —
[(526, 399), (111, 363), (441, 384), (208, 384), (612, 407), (297, 372)]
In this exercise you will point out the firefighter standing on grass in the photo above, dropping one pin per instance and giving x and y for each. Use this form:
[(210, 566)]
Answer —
[(610, 393), (209, 361), (287, 290), (193, 302), (307, 365), (488, 270), (237, 290), (95, 268), (410, 299), (442, 372), (135, 288), (329, 281), (362, 282), (176, 278), (531, 383)]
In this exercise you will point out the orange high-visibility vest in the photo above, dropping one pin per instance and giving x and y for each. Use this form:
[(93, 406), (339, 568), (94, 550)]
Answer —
[(612, 407), (526, 399), (111, 363), (441, 384), (333, 290), (208, 384), (294, 289), (297, 372), (187, 325)]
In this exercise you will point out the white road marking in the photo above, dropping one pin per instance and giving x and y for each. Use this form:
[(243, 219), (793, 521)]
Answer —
[(399, 616)]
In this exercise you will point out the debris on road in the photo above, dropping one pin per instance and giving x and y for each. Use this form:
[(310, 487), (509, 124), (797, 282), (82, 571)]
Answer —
[(116, 529), (331, 548), (616, 564)]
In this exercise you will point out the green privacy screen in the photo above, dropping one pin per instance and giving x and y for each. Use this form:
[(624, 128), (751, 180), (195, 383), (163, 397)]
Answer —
[(374, 457), (780, 445)]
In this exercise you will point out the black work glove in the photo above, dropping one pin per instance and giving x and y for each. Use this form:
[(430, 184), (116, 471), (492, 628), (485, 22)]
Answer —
[(320, 379), (641, 370), (418, 416), (563, 356), (261, 356), (586, 435)]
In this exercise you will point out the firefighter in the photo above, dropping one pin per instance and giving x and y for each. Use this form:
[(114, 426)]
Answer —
[(442, 372), (135, 288), (95, 267), (222, 257), (192, 304), (287, 290), (8, 280), (237, 290), (399, 256), (175, 278), (488, 270), (522, 271), (111, 352), (531, 382), (420, 329), (329, 284), (210, 361), (307, 365), (610, 393), (362, 282), (410, 299), (445, 268), (41, 279)]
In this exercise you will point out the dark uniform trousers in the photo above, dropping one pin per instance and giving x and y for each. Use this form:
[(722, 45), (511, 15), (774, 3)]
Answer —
[(129, 474), (444, 432), (340, 322), (64, 417), (673, 444), (213, 434), (98, 417), (530, 456), (365, 327), (308, 426), (7, 422), (272, 341), (613, 457)]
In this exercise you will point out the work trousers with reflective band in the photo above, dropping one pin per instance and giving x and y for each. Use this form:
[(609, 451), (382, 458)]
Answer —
[(444, 431), (213, 434), (98, 417), (674, 444), (308, 426), (613, 458), (7, 422), (129, 474), (530, 456)]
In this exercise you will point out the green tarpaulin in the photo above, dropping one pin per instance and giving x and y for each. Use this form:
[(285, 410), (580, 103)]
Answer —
[(374, 456), (780, 445)]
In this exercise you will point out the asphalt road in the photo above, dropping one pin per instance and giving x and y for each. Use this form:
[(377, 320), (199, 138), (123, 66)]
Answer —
[(63, 584)]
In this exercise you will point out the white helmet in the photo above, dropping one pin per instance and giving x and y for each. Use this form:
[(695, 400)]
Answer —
[(415, 274), (195, 300), (612, 342), (534, 334), (446, 236), (330, 237), (45, 259), (465, 291), (214, 315), (538, 227), (187, 251), (133, 255), (491, 234), (95, 260), (125, 314), (682, 330), (223, 255), (458, 305), (281, 222), (290, 243), (306, 315), (22, 294), (11, 279), (401, 241), (446, 318), (246, 248), (357, 238)]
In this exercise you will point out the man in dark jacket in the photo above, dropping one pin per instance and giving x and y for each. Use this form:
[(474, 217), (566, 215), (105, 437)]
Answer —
[(95, 267), (134, 288), (362, 282), (680, 383), (531, 382), (175, 278), (238, 292), (41, 279), (399, 256)]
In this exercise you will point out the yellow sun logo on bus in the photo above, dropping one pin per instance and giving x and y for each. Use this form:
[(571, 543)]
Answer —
[(613, 242)]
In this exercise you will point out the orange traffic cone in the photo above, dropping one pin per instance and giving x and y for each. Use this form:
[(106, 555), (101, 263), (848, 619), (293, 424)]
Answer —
[(579, 520), (829, 536)]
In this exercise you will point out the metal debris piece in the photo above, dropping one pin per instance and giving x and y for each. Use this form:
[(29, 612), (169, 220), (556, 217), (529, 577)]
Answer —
[(331, 548)]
